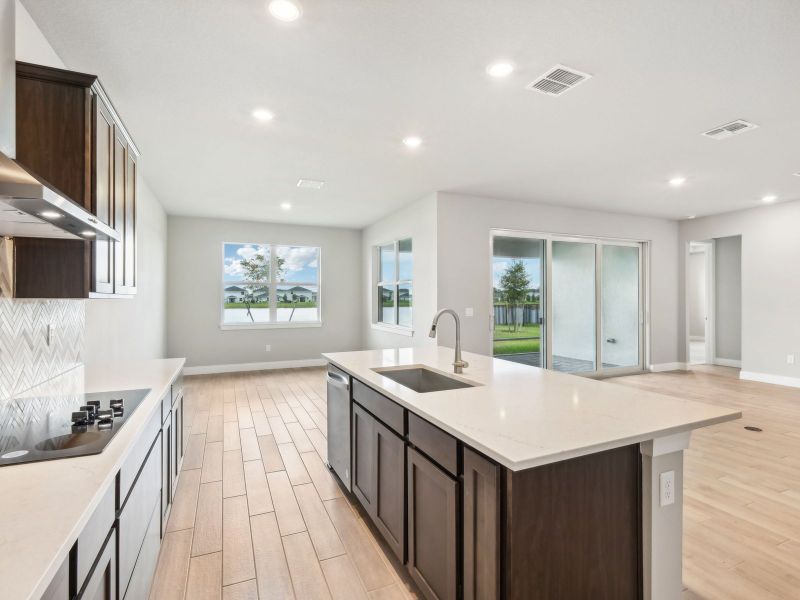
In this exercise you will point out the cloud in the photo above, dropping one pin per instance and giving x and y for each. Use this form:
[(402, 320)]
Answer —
[(233, 266), (298, 258)]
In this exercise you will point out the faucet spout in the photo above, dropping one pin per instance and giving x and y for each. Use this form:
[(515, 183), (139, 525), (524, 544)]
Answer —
[(458, 364)]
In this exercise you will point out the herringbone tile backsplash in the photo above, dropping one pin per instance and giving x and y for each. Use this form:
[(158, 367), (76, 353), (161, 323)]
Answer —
[(26, 358)]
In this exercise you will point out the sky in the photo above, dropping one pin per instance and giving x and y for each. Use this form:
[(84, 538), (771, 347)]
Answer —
[(301, 263), (532, 268)]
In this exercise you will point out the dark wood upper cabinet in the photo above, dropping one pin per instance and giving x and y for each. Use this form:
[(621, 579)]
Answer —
[(69, 134)]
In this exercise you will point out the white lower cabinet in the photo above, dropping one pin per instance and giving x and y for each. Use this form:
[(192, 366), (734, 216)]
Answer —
[(146, 562), (102, 583)]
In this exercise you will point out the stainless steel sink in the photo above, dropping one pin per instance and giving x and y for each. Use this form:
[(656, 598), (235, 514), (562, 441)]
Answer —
[(423, 380)]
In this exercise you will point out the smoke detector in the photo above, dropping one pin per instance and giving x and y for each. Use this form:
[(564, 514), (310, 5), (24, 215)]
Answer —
[(557, 80), (736, 127)]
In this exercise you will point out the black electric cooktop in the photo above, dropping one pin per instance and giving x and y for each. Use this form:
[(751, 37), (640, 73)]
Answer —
[(50, 427)]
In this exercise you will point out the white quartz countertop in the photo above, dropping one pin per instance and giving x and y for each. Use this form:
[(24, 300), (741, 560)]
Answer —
[(45, 505), (523, 416)]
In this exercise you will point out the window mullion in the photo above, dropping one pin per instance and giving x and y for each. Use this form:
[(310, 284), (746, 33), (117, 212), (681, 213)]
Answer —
[(273, 286)]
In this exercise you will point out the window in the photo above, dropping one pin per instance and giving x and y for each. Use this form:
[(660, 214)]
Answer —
[(270, 285), (394, 289)]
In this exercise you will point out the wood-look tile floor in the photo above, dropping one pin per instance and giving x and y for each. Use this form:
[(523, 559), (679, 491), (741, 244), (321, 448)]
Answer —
[(741, 536), (258, 515)]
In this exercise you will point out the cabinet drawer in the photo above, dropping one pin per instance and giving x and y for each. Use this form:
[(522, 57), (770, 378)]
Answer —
[(90, 541), (145, 568), (384, 409), (132, 465), (135, 515), (438, 445), (166, 407), (177, 387), (102, 584)]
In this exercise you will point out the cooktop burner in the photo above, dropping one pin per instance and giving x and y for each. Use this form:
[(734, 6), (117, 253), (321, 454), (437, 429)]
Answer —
[(34, 429)]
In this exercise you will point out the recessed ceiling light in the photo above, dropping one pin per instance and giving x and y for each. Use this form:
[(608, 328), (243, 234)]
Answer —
[(690, 217), (412, 141), (263, 115), (286, 205), (88, 233), (677, 181), (797, 174), (500, 69), (50, 214), (312, 184), (284, 10), (769, 199)]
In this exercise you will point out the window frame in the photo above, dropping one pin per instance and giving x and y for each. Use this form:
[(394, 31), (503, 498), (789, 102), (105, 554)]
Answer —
[(395, 285), (272, 286)]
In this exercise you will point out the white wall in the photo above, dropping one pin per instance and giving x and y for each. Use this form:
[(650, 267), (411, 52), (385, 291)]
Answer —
[(419, 222), (195, 291), (118, 329), (697, 294), (133, 329), (728, 297), (770, 284), (464, 259)]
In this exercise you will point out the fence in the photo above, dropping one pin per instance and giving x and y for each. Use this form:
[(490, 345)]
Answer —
[(525, 314)]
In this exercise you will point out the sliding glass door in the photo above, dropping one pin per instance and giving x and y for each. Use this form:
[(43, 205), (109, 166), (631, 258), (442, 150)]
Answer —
[(569, 304)]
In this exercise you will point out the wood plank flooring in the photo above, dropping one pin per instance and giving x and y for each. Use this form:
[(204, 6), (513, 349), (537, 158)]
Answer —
[(258, 515)]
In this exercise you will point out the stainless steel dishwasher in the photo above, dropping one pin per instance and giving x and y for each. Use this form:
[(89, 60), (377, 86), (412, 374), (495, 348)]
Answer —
[(339, 424)]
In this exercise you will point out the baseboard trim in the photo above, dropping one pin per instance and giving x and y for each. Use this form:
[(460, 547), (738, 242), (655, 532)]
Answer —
[(257, 366), (728, 362), (673, 366), (773, 379)]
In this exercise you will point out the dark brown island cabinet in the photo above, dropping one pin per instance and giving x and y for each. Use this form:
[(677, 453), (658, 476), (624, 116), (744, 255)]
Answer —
[(70, 135), (468, 528)]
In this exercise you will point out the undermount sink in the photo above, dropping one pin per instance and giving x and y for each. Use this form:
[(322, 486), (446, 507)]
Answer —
[(423, 380)]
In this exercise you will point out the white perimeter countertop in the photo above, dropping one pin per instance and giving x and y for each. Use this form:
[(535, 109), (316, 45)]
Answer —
[(524, 416), (44, 506)]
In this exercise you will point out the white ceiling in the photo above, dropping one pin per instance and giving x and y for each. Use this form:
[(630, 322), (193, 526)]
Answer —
[(353, 77)]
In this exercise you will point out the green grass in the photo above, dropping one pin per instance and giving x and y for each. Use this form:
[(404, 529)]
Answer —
[(511, 340), (243, 306)]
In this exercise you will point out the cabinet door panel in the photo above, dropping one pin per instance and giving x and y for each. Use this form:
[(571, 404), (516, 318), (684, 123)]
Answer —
[(389, 497), (481, 528), (103, 198), (131, 189), (432, 537), (102, 584), (120, 162), (364, 453)]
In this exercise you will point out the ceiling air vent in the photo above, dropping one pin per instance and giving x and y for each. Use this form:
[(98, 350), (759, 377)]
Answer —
[(557, 80), (730, 129)]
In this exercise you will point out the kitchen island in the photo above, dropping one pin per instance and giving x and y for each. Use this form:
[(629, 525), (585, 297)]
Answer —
[(520, 482)]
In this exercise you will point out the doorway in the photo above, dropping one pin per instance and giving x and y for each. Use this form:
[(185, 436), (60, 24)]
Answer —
[(700, 306), (567, 303)]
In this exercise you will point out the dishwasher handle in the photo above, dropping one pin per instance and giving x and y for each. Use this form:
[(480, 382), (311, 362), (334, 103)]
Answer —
[(337, 380)]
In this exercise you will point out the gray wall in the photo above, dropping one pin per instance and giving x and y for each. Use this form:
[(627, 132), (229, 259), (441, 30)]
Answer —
[(697, 294), (194, 293), (419, 222), (770, 284), (464, 260), (728, 297), (135, 329)]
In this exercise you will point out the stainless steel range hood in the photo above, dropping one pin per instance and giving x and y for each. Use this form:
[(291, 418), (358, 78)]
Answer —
[(29, 207)]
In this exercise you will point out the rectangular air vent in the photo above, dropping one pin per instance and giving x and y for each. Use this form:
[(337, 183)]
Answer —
[(557, 80), (311, 184), (729, 129)]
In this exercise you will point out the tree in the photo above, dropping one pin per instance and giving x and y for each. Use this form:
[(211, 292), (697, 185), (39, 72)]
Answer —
[(515, 284), (256, 272)]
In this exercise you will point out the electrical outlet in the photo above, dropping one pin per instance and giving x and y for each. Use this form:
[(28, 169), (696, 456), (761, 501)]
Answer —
[(51, 330), (667, 485), (468, 312), (790, 359), (268, 348)]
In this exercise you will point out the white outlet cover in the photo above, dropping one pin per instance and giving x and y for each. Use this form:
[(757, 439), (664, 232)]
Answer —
[(790, 359), (468, 312), (667, 488), (268, 348)]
